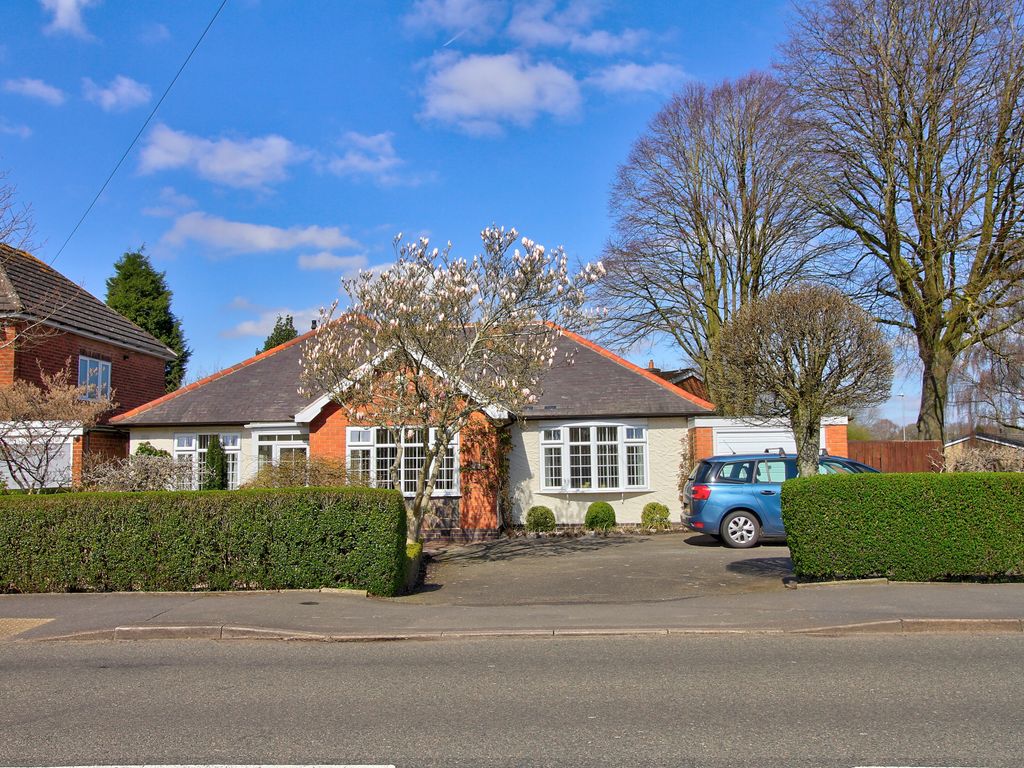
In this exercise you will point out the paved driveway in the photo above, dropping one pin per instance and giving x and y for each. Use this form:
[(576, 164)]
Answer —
[(626, 569)]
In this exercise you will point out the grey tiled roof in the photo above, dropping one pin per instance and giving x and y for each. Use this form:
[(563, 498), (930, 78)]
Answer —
[(584, 382), (262, 388), (588, 381), (33, 289)]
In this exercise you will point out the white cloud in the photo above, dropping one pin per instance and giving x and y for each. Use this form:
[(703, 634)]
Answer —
[(234, 237), (326, 260), (35, 89), (67, 17), (481, 93), (14, 129), (249, 163), (172, 203), (627, 78), (120, 95), (474, 20), (542, 24), (263, 324), (367, 155), (154, 33)]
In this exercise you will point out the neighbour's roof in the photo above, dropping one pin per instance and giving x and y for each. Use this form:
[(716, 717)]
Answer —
[(1007, 440), (34, 290), (586, 381)]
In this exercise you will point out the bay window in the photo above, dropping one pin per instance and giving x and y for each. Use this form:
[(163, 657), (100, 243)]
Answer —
[(599, 457), (371, 454)]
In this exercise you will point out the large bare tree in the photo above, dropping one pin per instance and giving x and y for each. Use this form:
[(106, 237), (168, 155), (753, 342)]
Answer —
[(915, 118), (801, 354), (707, 215)]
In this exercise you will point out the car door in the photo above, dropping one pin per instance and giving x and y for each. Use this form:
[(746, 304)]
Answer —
[(767, 489)]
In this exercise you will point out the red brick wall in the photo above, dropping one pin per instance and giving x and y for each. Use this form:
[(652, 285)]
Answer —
[(703, 442), (327, 433), (135, 377), (835, 440), (7, 336)]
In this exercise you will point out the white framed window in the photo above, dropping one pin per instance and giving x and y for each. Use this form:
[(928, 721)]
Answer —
[(277, 448), (371, 453), (191, 449), (599, 457), (94, 375)]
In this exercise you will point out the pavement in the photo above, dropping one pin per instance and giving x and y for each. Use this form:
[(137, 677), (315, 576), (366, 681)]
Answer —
[(663, 584)]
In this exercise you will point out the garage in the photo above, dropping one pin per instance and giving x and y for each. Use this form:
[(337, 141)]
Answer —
[(753, 439)]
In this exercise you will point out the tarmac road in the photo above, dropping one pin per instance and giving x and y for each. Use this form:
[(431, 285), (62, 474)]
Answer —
[(765, 701)]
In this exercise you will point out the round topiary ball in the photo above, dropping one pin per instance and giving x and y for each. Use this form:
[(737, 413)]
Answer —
[(600, 516), (539, 519), (655, 515)]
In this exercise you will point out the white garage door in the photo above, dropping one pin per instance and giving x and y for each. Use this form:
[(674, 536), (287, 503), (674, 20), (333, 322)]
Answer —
[(753, 440)]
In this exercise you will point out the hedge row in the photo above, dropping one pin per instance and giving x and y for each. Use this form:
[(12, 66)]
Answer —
[(907, 527), (268, 539)]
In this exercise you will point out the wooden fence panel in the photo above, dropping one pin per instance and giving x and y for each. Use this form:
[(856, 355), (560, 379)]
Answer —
[(898, 455)]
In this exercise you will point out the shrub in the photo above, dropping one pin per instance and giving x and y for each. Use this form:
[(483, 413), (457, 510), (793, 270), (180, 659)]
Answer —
[(910, 527), (317, 471), (655, 515), (186, 540), (540, 519), (139, 472), (600, 516), (216, 466), (146, 448)]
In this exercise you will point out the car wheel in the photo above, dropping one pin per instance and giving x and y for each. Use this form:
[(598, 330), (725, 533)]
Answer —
[(740, 530)]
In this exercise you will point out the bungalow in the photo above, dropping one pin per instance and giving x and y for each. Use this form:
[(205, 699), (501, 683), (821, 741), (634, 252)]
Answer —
[(603, 429)]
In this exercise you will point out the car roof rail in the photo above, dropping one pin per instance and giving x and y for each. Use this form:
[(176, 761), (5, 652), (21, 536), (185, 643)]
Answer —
[(778, 451)]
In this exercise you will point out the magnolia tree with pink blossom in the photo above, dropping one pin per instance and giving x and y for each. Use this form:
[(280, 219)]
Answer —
[(437, 338)]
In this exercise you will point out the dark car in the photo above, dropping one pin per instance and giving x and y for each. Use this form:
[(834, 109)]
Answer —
[(737, 498)]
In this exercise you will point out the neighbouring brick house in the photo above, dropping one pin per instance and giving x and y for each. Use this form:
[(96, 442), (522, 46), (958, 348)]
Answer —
[(48, 323), (603, 429)]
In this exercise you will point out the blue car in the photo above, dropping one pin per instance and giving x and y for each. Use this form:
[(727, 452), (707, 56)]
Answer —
[(737, 498)]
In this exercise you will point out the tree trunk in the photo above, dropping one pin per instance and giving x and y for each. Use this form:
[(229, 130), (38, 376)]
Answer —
[(807, 431), (931, 420)]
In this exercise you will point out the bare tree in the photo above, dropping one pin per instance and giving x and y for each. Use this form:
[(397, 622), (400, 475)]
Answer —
[(707, 215), (914, 113), (988, 382), (15, 219), (803, 353), (436, 339), (36, 426)]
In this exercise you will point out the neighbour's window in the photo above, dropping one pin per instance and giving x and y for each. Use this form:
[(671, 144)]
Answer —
[(736, 472), (771, 471), (598, 457), (94, 375), (371, 454), (191, 450)]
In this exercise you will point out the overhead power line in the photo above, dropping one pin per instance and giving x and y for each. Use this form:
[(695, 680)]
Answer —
[(145, 125)]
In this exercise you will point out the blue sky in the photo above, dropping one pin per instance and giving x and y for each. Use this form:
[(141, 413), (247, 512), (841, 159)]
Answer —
[(304, 135)]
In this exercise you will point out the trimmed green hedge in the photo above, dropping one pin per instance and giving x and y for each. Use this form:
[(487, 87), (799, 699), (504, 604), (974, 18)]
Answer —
[(655, 515), (907, 527), (291, 538)]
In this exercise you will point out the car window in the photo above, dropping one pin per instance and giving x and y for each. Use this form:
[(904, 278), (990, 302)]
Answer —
[(736, 472), (700, 472), (834, 468), (773, 471)]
